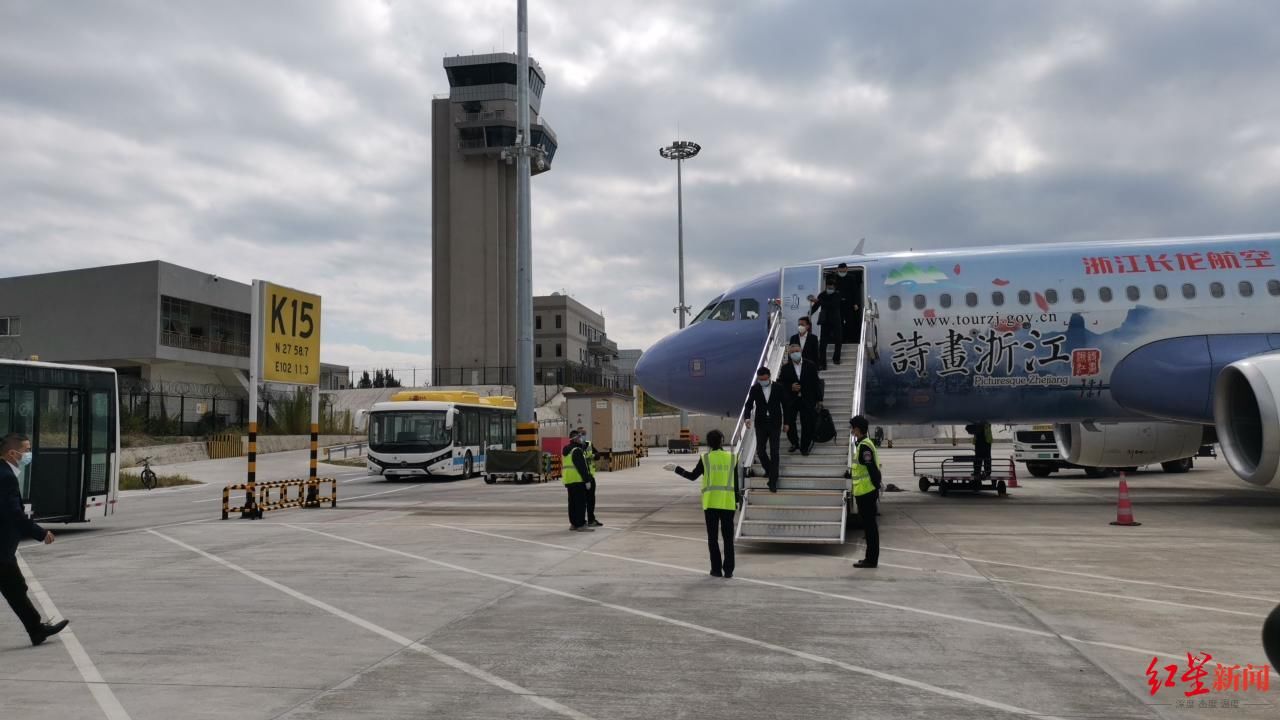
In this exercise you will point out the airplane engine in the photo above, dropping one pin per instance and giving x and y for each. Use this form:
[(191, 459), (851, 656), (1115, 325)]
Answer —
[(1126, 444), (1245, 410)]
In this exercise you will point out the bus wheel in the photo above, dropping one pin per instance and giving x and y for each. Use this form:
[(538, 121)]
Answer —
[(468, 468)]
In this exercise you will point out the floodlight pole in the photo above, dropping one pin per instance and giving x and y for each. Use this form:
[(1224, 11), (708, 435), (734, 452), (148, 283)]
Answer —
[(680, 150), (524, 231)]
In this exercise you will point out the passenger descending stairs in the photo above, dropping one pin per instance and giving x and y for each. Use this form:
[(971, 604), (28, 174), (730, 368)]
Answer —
[(809, 506)]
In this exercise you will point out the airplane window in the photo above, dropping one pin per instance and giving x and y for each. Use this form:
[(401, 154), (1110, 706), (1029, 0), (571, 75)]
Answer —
[(723, 311), (1246, 288), (1024, 297), (1188, 291), (945, 300), (1077, 295), (895, 302), (997, 298), (1104, 294), (920, 302), (1162, 292), (1273, 287), (1216, 289), (1133, 293), (1051, 296), (750, 309), (971, 299), (705, 311)]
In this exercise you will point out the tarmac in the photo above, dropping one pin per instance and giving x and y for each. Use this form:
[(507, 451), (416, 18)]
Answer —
[(463, 600)]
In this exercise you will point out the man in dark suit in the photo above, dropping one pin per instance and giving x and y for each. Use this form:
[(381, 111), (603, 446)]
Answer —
[(15, 454), (766, 399), (809, 347), (799, 378), (830, 322), (849, 286)]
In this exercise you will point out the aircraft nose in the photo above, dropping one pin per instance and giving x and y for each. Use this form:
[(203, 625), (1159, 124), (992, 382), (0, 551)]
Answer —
[(653, 370)]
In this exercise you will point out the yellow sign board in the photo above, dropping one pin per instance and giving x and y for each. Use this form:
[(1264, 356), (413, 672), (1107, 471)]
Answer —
[(290, 335)]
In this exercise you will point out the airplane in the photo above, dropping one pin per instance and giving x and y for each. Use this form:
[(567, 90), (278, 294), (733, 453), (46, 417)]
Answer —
[(1132, 348)]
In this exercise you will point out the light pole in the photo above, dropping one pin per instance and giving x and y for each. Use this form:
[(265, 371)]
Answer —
[(680, 150)]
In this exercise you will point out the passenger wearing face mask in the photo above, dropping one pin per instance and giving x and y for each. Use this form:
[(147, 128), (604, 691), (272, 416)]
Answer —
[(15, 451), (766, 399), (808, 343), (799, 378), (830, 322), (849, 286)]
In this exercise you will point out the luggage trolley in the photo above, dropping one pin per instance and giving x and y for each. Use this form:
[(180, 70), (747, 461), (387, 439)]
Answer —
[(952, 471)]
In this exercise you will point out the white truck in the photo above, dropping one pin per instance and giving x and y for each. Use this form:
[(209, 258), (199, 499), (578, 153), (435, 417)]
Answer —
[(1035, 446)]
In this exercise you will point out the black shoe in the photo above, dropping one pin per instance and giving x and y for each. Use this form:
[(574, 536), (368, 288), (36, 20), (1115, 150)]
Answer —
[(47, 630), (836, 362), (864, 564), (716, 573), (804, 453), (794, 449), (773, 487), (595, 523), (728, 575)]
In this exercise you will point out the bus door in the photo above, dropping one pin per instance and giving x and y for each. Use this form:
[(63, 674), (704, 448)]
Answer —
[(57, 463), (99, 447)]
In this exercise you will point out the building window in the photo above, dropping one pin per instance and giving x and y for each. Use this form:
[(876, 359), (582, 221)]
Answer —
[(920, 301), (559, 349), (1132, 293), (537, 322), (10, 327), (559, 322), (1077, 296), (1189, 291), (1051, 296), (537, 350), (945, 300), (1161, 292), (1246, 288), (971, 299), (1216, 289), (997, 298), (895, 302), (1024, 297), (1104, 294)]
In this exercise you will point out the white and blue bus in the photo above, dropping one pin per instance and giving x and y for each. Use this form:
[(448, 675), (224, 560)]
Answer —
[(438, 434), (71, 414)]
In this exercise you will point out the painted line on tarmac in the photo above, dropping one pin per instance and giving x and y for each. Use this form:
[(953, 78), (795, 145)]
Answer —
[(820, 659), (1003, 581), (401, 640), (219, 487), (111, 707), (966, 558)]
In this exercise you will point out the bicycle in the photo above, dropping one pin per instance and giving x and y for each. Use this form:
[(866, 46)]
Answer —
[(148, 476)]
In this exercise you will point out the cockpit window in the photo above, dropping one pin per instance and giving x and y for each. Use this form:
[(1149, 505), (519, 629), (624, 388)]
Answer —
[(706, 311), (750, 309), (723, 311)]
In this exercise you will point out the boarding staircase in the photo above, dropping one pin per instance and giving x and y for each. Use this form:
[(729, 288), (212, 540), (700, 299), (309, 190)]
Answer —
[(813, 491)]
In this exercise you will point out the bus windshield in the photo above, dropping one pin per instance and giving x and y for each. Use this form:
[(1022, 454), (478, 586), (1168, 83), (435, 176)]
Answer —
[(409, 431)]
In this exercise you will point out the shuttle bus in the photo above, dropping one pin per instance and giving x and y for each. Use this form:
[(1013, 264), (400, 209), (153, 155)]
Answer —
[(71, 414), (437, 433)]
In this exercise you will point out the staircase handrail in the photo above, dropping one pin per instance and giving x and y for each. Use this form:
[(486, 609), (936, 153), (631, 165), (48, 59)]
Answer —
[(743, 442), (859, 379)]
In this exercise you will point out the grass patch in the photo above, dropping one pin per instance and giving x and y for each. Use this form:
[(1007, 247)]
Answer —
[(130, 481), (357, 462)]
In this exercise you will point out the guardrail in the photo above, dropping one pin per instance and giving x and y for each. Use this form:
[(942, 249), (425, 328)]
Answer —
[(743, 442), (255, 506), (869, 315), (357, 448)]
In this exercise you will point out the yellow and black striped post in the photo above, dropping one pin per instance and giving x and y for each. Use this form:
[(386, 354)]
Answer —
[(250, 510), (527, 437), (313, 486)]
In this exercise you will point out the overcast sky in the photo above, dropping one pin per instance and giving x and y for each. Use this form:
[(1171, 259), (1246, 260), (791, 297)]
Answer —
[(289, 140)]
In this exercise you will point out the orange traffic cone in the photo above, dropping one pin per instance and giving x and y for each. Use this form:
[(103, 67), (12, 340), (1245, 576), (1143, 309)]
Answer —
[(1013, 476), (1124, 511)]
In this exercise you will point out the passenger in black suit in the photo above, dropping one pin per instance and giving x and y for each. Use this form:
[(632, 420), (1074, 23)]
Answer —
[(804, 395), (830, 321), (766, 398), (15, 453), (808, 342), (849, 286)]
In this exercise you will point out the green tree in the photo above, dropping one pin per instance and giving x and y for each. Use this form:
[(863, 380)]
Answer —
[(389, 380), (365, 381)]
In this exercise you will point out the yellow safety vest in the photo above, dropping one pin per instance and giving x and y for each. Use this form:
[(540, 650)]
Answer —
[(568, 473), (717, 481), (861, 475), (589, 454)]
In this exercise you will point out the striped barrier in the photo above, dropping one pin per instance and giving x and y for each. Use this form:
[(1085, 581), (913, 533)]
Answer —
[(249, 510), (308, 496), (527, 437), (313, 487), (226, 445), (638, 443)]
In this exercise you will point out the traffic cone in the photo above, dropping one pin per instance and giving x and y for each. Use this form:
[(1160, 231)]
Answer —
[(1124, 511), (1013, 475)]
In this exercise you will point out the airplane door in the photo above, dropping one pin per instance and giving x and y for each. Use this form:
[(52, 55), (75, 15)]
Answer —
[(798, 283)]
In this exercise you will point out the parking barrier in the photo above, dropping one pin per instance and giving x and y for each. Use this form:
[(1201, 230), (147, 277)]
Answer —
[(258, 498)]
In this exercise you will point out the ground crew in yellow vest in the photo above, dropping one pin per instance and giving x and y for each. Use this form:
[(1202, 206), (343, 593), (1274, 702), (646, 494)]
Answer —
[(589, 452), (575, 472), (865, 472), (719, 472)]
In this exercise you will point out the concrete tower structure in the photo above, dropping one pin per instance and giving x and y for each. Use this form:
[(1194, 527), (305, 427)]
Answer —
[(473, 217)]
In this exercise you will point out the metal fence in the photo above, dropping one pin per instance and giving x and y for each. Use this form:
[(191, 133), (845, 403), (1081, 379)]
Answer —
[(557, 375), (192, 409)]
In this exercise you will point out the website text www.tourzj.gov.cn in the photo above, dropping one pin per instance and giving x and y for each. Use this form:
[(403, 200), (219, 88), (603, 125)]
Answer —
[(986, 320)]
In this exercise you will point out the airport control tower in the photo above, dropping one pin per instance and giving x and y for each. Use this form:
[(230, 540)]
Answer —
[(473, 217)]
